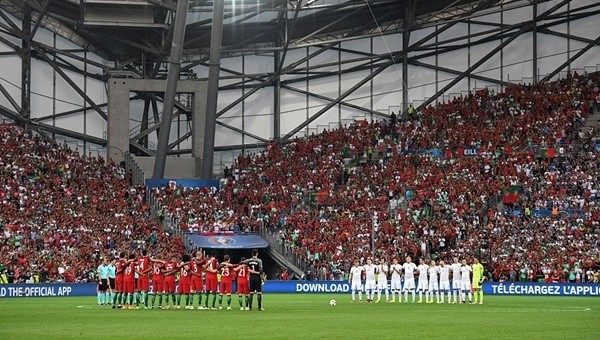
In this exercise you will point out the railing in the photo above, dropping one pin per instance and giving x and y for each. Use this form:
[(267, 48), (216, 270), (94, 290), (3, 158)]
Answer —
[(131, 167), (284, 249), (169, 224)]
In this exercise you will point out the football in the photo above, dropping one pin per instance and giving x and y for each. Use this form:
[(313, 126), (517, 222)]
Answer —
[(332, 302)]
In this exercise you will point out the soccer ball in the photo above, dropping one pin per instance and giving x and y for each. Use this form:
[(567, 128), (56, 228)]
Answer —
[(332, 302)]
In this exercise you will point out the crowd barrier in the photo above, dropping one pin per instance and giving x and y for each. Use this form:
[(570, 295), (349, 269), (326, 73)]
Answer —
[(48, 290), (327, 287)]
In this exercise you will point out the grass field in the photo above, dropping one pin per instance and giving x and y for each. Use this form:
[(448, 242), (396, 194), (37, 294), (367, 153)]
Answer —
[(307, 316)]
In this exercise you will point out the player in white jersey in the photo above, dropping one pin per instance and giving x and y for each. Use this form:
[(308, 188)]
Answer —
[(455, 279), (370, 284), (355, 280), (445, 281), (434, 288), (409, 278), (422, 286), (396, 284), (465, 282), (382, 280)]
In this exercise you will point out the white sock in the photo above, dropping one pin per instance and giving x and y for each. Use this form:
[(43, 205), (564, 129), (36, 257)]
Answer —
[(387, 295), (405, 295), (360, 295), (420, 295), (470, 296), (353, 294), (378, 294), (413, 296)]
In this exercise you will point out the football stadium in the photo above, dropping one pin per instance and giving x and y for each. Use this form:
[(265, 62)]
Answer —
[(312, 169)]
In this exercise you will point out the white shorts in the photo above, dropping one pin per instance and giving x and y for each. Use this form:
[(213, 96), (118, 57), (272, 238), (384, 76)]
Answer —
[(423, 284), (433, 286), (382, 284), (456, 285), (396, 284), (465, 285), (445, 285), (356, 285), (409, 284), (370, 285)]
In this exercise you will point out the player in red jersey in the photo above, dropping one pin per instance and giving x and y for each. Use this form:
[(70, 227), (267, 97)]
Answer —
[(169, 284), (129, 281), (143, 281), (196, 269), (185, 278), (157, 281), (226, 270), (242, 284), (211, 268), (119, 275)]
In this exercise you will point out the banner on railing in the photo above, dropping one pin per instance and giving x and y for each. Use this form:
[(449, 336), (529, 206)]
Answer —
[(489, 288), (186, 183), (534, 288), (319, 287), (230, 241), (597, 147), (48, 290)]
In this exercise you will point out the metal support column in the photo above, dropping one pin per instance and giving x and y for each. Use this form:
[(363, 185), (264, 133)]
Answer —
[(213, 89), (535, 45), (172, 78), (405, 46), (26, 64)]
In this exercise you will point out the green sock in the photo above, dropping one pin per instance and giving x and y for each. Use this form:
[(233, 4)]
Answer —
[(206, 302), (199, 294), (220, 300), (241, 300), (214, 299), (146, 299), (178, 299), (228, 300), (187, 300), (160, 300), (172, 299)]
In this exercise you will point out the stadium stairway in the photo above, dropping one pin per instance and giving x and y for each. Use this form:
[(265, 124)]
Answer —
[(591, 121), (288, 260)]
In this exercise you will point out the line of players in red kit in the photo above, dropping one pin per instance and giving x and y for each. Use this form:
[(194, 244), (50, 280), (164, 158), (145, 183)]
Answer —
[(181, 280)]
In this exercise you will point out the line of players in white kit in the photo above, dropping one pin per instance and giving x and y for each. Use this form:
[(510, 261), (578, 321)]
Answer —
[(434, 280)]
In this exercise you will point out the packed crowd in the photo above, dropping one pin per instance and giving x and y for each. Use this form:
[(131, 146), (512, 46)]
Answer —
[(323, 195), (59, 211)]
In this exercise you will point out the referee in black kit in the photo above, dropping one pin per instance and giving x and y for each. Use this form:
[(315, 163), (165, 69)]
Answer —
[(255, 267)]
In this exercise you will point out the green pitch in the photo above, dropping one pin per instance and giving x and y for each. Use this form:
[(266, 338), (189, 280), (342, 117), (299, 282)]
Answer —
[(307, 316)]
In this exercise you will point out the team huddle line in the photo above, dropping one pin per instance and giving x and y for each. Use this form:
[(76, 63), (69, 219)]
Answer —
[(434, 280), (125, 282)]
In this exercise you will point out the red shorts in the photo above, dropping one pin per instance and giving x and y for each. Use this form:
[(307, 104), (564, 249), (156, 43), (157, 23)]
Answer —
[(143, 283), (128, 287), (169, 286), (242, 287), (119, 284), (225, 288), (158, 284), (196, 284), (183, 287), (211, 283)]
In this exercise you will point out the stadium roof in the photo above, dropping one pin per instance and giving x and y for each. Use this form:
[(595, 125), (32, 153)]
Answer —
[(250, 26)]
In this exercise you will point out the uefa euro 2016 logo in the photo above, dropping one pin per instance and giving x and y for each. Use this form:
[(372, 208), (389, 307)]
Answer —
[(221, 240)]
